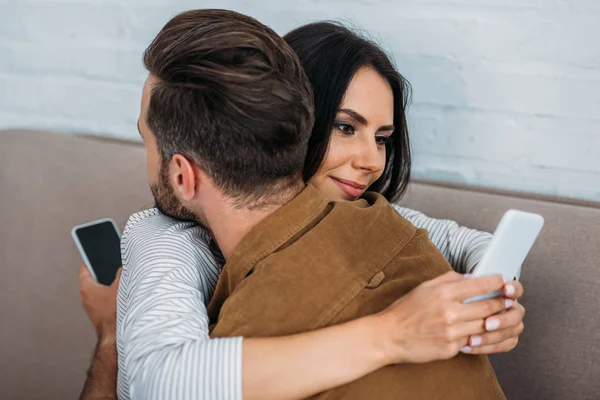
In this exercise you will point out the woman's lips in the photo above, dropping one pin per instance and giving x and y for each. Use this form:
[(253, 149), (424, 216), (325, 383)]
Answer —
[(351, 188)]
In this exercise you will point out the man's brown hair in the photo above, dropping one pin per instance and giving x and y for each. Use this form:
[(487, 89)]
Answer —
[(232, 97)]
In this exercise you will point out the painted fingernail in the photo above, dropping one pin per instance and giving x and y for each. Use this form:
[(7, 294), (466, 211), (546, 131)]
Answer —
[(475, 340), (508, 303), (466, 349), (492, 324), (510, 290)]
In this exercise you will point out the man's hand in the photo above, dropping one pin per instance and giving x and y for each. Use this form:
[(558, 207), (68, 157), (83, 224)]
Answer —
[(99, 302), (432, 323)]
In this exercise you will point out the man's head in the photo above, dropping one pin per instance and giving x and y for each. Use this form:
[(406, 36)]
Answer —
[(226, 107)]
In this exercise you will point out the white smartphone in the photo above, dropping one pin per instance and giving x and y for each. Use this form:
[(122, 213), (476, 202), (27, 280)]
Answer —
[(99, 243), (508, 248)]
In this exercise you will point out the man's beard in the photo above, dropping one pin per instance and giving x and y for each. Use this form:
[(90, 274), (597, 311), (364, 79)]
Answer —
[(166, 201)]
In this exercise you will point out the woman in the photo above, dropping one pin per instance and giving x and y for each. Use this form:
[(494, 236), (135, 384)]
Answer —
[(351, 77), (359, 142)]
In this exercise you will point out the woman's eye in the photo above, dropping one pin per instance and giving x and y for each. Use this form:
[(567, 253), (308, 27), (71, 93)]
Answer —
[(382, 140), (346, 129)]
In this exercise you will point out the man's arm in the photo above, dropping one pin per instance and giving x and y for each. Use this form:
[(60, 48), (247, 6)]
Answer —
[(101, 382), (99, 302)]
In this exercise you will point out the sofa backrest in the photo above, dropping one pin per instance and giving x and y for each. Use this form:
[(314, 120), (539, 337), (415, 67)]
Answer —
[(48, 184), (558, 356), (51, 182)]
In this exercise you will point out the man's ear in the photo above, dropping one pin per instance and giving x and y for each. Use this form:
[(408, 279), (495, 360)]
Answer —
[(185, 177)]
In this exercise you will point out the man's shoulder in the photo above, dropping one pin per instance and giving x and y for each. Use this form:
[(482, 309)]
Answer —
[(366, 229), (375, 212), (154, 225), (154, 246), (373, 226), (151, 231)]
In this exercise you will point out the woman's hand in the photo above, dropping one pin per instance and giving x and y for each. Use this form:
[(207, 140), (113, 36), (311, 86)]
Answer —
[(432, 322), (503, 329)]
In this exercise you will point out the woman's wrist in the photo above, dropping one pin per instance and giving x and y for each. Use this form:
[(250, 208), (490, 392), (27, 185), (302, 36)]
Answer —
[(386, 344), (376, 341)]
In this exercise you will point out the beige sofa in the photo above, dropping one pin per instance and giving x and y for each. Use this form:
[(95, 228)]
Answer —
[(51, 182)]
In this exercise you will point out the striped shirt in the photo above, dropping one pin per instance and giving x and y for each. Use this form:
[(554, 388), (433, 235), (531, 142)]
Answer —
[(170, 271)]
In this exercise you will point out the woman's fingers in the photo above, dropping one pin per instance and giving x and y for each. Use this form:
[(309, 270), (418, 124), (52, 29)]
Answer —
[(503, 336), (509, 319), (472, 287), (513, 290), (462, 332), (499, 341), (491, 331), (448, 277), (496, 336), (499, 347), (479, 310)]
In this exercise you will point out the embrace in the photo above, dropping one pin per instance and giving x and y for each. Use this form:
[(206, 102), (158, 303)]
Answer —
[(275, 264)]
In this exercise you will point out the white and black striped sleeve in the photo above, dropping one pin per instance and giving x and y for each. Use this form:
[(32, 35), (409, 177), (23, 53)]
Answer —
[(165, 351), (462, 247)]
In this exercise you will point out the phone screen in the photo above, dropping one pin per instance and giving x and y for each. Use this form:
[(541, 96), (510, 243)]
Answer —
[(102, 246)]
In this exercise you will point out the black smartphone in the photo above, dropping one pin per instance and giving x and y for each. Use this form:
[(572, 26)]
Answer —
[(99, 243)]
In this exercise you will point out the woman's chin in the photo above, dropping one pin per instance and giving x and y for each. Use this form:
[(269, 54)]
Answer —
[(337, 195), (334, 193), (342, 196)]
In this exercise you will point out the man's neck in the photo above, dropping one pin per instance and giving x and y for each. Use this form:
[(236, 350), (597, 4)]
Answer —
[(229, 224)]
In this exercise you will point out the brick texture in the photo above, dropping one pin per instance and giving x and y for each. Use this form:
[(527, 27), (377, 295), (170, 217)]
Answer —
[(506, 92)]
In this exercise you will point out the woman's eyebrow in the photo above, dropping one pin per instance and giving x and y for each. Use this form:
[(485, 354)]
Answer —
[(363, 120), (354, 115)]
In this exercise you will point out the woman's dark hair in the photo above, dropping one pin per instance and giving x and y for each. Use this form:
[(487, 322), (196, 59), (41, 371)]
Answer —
[(331, 54)]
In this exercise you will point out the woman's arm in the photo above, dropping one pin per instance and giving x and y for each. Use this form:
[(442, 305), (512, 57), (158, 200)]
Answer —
[(165, 350), (462, 247), (280, 367), (172, 356), (301, 365)]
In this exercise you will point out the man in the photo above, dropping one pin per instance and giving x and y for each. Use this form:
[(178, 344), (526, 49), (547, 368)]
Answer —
[(226, 115)]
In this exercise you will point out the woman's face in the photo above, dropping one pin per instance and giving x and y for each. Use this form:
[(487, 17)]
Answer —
[(363, 125)]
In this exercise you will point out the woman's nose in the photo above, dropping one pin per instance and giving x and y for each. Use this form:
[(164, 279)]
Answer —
[(368, 156)]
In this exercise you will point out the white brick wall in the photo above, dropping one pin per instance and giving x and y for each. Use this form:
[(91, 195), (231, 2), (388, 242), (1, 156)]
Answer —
[(506, 92)]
